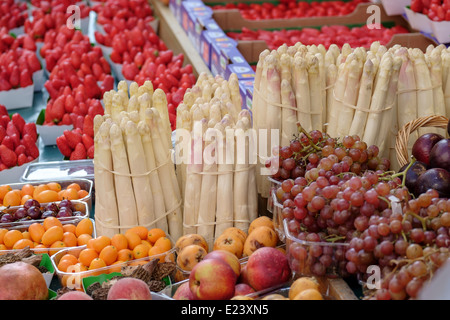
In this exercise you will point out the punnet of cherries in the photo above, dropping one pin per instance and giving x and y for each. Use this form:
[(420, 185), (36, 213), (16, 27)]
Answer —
[(341, 191)]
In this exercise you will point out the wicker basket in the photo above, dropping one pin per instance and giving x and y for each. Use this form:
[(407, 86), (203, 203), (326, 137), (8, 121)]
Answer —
[(401, 144)]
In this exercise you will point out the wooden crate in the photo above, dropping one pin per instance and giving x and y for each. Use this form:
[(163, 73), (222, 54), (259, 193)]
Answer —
[(176, 38)]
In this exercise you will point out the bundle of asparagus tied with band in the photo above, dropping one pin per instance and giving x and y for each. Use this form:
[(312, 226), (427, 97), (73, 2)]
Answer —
[(134, 172), (371, 93), (213, 158)]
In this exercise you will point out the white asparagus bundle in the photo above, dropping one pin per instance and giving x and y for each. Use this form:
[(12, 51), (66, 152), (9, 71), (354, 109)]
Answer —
[(154, 179), (350, 96), (107, 215), (378, 103), (125, 195), (364, 99), (139, 171), (425, 99)]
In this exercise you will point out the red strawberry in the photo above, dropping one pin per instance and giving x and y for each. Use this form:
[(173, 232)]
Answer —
[(108, 83), (72, 138), (88, 126), (92, 88), (29, 43), (22, 159), (66, 120), (8, 156), (58, 108), (8, 142), (14, 78), (90, 152), (4, 120), (95, 109), (25, 78), (30, 144), (33, 62), (11, 129), (30, 129), (18, 121), (15, 139), (79, 123), (3, 110), (20, 149), (87, 140), (79, 153), (63, 146), (2, 133)]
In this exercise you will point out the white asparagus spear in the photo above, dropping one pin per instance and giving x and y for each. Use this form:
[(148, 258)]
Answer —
[(159, 101), (126, 203), (364, 99), (338, 96), (384, 139), (331, 76), (436, 82), (165, 165), (154, 179), (240, 202), (315, 88), (446, 74), (145, 102), (425, 99), (350, 97), (378, 102), (224, 212), (138, 168), (208, 191), (194, 169), (133, 89), (407, 97), (288, 112), (302, 93), (107, 212)]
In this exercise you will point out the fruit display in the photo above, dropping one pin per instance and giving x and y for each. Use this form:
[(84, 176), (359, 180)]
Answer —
[(221, 276), (13, 14), (338, 35), (368, 93), (17, 140), (131, 42), (435, 10), (192, 248), (49, 235), (104, 255), (18, 194), (32, 210), (291, 9)]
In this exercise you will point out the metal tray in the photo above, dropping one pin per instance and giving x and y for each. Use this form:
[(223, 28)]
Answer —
[(59, 170)]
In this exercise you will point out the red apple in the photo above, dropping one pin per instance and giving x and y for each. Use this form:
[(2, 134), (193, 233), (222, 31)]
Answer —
[(212, 279), (184, 292), (243, 289), (226, 256), (267, 267)]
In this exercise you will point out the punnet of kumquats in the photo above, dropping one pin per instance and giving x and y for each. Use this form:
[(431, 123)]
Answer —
[(48, 236), (109, 254), (11, 196)]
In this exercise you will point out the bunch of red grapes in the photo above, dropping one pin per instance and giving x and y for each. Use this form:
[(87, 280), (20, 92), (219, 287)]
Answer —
[(342, 192)]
